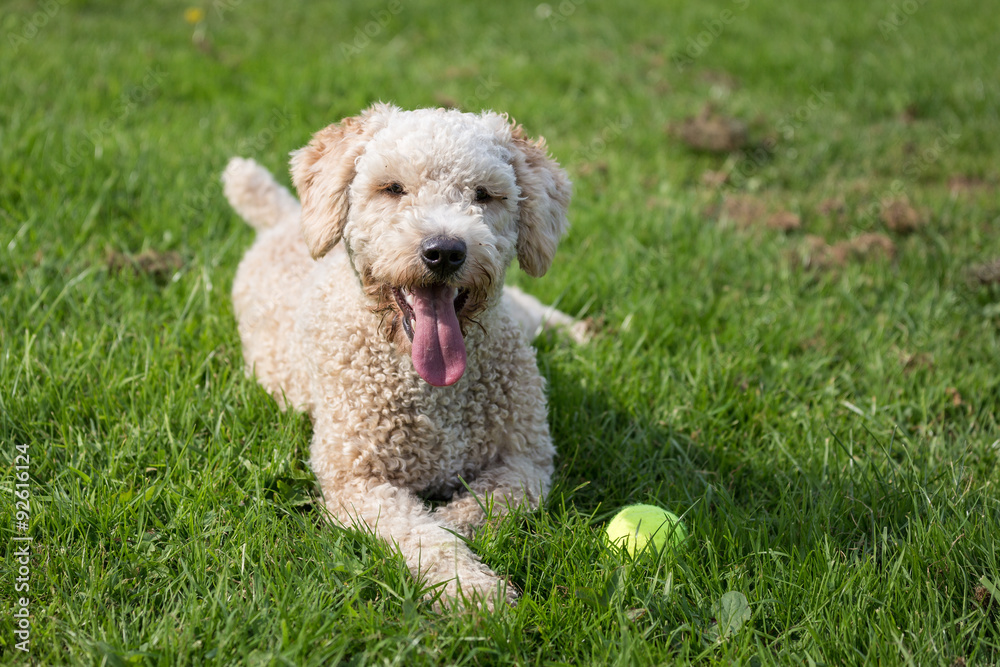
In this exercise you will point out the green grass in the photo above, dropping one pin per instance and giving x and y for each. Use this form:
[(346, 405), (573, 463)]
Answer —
[(831, 435)]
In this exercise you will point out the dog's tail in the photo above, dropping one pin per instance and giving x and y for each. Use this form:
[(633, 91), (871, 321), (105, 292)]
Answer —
[(255, 195)]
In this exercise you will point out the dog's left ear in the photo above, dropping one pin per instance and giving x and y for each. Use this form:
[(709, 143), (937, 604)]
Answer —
[(322, 172), (545, 194)]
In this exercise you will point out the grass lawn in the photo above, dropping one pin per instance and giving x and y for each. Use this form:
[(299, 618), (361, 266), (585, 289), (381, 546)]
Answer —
[(784, 221)]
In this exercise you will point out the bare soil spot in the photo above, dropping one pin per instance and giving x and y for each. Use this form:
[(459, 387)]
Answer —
[(785, 221), (812, 343), (987, 273), (832, 207), (867, 246), (915, 361), (714, 179), (960, 184), (984, 599), (900, 217), (160, 265), (954, 397), (742, 211), (712, 132), (745, 211), (445, 101), (593, 167), (910, 114), (816, 253)]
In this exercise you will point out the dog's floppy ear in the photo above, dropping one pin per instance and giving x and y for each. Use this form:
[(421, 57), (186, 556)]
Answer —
[(545, 194), (322, 172)]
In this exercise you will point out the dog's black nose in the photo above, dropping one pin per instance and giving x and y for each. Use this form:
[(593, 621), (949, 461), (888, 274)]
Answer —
[(442, 255)]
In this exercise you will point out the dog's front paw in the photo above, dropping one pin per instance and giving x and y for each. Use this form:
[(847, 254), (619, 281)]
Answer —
[(481, 588), (476, 586)]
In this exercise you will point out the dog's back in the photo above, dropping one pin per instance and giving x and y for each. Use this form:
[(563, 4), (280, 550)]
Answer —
[(270, 279)]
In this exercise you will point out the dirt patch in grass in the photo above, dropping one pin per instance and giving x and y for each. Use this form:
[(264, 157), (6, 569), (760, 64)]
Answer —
[(902, 218), (985, 600), (595, 167), (445, 100), (712, 132), (744, 211), (714, 179), (160, 265), (916, 361), (784, 221), (813, 343), (870, 245), (832, 206), (960, 184), (954, 397), (816, 253), (987, 273)]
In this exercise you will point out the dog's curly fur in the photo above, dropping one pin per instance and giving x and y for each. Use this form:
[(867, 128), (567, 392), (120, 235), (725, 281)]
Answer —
[(324, 300)]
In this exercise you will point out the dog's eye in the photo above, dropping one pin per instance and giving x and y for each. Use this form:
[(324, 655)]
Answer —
[(482, 194), (394, 189)]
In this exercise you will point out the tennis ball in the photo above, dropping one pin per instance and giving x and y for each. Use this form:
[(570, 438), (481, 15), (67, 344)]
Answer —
[(637, 526)]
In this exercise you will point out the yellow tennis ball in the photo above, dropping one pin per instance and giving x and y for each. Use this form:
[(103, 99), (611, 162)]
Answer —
[(637, 526)]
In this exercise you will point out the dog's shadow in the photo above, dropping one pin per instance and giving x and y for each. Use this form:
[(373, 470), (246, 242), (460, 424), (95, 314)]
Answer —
[(611, 454)]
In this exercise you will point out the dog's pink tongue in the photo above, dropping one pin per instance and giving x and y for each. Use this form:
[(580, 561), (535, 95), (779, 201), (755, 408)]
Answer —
[(438, 346)]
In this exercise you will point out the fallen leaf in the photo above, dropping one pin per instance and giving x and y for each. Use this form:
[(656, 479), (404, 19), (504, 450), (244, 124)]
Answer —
[(731, 612)]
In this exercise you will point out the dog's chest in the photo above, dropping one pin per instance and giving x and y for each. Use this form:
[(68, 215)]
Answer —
[(428, 438)]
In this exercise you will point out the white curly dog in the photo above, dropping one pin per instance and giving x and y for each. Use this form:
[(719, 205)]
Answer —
[(401, 342)]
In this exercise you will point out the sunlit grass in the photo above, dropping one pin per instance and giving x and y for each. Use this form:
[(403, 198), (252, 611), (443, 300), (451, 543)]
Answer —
[(827, 428)]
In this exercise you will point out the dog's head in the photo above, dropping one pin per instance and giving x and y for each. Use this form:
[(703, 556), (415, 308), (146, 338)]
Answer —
[(433, 206)]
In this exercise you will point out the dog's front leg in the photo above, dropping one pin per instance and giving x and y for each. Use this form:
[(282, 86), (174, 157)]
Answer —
[(431, 550), (512, 482)]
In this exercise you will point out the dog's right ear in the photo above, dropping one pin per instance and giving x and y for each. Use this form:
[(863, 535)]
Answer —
[(322, 173)]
